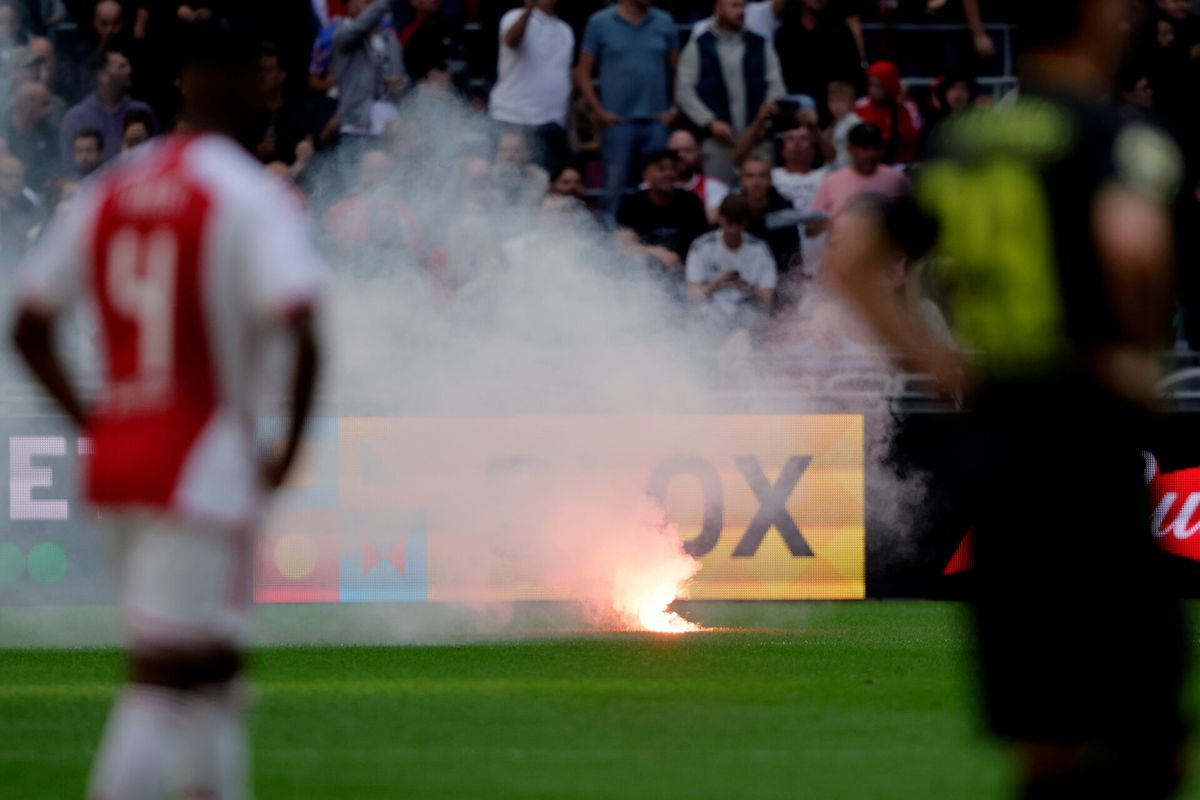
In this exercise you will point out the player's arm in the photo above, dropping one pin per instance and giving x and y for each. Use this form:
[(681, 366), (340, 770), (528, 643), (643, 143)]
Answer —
[(1133, 231), (1134, 241), (33, 336), (52, 280), (301, 330), (859, 250)]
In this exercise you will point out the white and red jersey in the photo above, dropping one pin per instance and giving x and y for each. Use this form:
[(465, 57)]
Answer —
[(189, 253)]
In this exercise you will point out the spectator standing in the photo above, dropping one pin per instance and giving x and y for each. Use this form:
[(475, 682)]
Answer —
[(112, 29), (726, 75), (816, 47), (425, 42), (369, 67), (285, 124), (931, 55), (690, 173), (636, 48), (104, 109), (662, 220), (730, 270), (867, 174), (87, 151), (31, 134), (533, 91), (108, 24)]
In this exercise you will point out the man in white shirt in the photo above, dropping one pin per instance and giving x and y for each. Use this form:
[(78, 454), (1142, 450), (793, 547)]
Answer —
[(798, 181), (533, 91), (731, 271)]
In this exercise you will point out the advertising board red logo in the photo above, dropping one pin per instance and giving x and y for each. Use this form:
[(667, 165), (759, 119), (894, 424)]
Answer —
[(1174, 500)]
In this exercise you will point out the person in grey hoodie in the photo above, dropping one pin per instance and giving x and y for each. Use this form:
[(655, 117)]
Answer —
[(369, 67)]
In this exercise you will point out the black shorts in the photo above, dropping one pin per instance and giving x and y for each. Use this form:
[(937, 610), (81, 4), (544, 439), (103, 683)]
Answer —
[(1081, 636)]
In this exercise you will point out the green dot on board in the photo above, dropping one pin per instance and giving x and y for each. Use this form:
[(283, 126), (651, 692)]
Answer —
[(47, 562)]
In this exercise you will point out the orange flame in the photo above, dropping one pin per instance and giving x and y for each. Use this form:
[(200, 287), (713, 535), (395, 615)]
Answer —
[(642, 595)]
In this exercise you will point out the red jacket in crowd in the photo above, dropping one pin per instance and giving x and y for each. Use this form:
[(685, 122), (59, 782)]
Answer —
[(900, 134)]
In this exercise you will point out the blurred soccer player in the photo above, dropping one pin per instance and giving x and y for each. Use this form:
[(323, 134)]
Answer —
[(191, 256), (1055, 247)]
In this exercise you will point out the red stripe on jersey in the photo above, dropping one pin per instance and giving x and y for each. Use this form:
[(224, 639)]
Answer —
[(160, 386)]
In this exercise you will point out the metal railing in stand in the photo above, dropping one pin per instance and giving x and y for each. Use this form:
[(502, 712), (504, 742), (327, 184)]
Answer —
[(1005, 32)]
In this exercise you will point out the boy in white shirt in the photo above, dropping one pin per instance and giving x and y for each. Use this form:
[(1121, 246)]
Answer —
[(729, 270)]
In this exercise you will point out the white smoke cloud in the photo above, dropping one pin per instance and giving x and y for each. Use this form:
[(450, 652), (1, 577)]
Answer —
[(544, 317)]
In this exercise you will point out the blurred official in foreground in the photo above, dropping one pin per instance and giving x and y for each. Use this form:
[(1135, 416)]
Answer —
[(1049, 220)]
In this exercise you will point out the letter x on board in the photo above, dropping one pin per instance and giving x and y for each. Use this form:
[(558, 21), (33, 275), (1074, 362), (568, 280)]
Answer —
[(772, 508)]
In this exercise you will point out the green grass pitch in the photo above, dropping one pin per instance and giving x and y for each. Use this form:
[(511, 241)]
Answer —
[(865, 700)]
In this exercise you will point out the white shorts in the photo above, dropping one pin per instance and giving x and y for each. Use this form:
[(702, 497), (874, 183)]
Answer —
[(181, 583)]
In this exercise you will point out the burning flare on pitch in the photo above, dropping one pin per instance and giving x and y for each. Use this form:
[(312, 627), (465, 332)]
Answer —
[(644, 592)]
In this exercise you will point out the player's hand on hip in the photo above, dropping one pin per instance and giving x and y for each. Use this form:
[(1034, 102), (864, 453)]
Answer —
[(273, 473)]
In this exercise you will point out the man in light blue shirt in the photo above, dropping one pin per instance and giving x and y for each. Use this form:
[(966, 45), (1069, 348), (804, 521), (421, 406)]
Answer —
[(634, 48)]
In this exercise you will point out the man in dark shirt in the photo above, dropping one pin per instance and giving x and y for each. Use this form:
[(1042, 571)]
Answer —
[(1055, 250), (764, 199), (18, 213), (31, 133), (426, 42), (815, 47), (285, 123), (661, 221)]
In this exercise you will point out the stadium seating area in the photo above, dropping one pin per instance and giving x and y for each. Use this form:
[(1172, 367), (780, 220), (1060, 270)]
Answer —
[(348, 86)]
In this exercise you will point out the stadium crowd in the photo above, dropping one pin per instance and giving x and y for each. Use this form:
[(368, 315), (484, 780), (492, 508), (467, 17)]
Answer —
[(719, 141)]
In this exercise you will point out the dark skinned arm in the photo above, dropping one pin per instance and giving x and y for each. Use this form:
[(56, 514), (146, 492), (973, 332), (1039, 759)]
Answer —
[(33, 336), (301, 330)]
